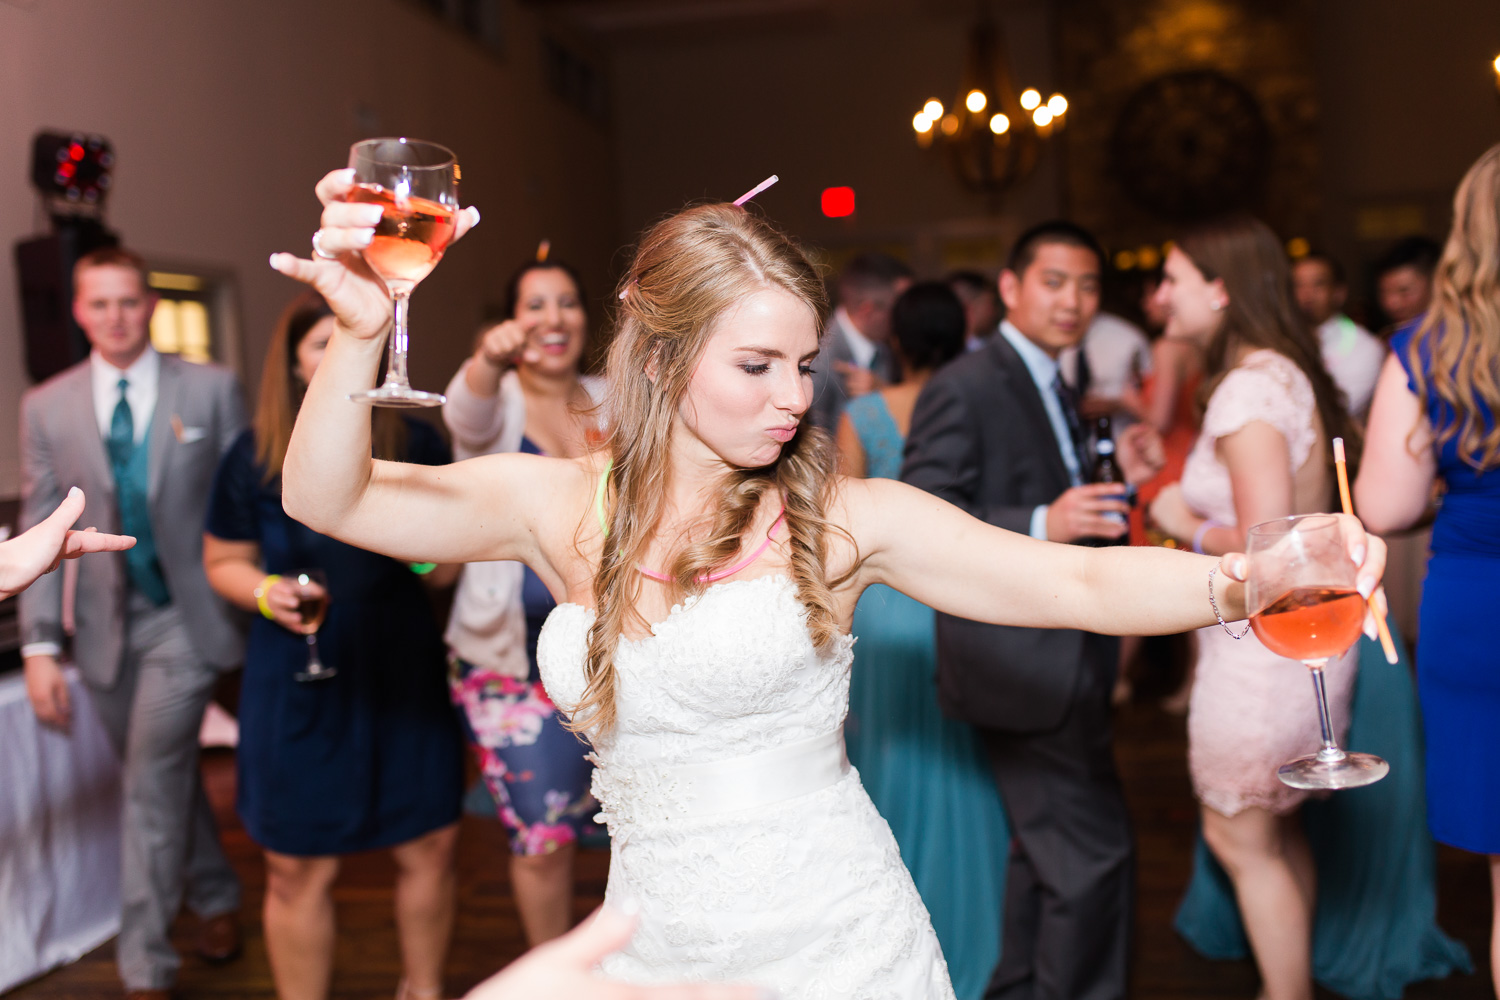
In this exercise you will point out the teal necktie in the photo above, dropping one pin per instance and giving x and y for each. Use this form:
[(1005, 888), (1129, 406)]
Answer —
[(129, 464), (121, 431)]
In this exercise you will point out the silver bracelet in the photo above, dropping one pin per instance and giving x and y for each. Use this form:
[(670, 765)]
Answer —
[(1215, 605)]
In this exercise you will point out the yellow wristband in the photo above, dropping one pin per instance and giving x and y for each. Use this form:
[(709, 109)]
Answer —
[(260, 595)]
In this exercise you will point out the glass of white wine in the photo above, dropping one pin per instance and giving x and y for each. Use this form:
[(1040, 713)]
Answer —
[(312, 609), (416, 185)]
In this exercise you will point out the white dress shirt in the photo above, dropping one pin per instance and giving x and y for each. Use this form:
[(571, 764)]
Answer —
[(1118, 352), (1043, 369), (143, 376), (1353, 356), (862, 347)]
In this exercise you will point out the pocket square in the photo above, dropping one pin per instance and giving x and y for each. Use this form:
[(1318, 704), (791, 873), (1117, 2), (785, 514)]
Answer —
[(185, 434)]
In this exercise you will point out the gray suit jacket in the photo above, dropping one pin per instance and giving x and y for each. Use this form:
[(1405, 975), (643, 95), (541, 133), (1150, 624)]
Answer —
[(980, 439), (61, 447), (830, 395)]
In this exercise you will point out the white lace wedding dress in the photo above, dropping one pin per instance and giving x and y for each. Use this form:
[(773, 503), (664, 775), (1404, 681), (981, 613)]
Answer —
[(737, 824)]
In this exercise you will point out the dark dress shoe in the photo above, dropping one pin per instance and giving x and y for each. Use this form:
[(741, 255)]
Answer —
[(219, 938)]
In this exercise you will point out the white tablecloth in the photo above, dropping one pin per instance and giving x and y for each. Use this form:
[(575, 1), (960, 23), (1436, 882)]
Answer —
[(59, 836)]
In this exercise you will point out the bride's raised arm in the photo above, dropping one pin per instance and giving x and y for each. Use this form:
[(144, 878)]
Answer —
[(930, 550), (480, 509)]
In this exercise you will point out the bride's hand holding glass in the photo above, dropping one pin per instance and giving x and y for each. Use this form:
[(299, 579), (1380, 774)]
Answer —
[(1366, 552), (356, 294)]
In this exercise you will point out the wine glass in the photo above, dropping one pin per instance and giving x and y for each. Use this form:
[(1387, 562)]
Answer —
[(312, 608), (416, 185), (1304, 606)]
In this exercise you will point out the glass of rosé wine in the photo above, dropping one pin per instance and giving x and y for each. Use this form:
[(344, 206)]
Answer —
[(416, 184), (1304, 606)]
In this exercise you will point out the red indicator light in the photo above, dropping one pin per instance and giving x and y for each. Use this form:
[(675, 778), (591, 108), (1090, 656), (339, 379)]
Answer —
[(76, 151), (67, 170), (838, 202)]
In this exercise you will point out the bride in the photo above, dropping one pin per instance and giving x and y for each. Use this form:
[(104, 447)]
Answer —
[(706, 564)]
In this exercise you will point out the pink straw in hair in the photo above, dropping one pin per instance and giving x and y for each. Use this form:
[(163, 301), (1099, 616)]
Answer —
[(740, 201)]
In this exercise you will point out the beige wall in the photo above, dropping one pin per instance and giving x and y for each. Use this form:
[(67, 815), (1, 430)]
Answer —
[(826, 103), (1408, 103), (223, 115)]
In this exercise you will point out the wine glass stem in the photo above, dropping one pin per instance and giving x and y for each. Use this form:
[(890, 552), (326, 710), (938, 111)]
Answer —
[(1330, 752), (314, 661), (395, 369)]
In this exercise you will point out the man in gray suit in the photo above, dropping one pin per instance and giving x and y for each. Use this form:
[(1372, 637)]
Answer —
[(141, 434), (855, 357)]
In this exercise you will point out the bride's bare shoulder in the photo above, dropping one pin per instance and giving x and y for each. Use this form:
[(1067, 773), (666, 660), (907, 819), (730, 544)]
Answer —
[(866, 506)]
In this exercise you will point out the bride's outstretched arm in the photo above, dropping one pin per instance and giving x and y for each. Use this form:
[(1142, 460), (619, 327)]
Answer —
[(457, 513), (936, 553)]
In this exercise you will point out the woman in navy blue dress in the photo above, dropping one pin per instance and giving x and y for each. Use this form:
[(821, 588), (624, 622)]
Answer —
[(370, 757), (1433, 420)]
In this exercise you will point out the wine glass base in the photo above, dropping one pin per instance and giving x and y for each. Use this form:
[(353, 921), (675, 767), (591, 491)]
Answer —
[(398, 397), (1354, 770), (322, 674)]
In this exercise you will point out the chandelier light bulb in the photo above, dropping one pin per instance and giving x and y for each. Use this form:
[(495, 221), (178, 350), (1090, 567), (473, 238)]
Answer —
[(950, 124), (1042, 116), (999, 124), (1497, 64), (1057, 104), (933, 109), (922, 123), (976, 101), (1030, 99)]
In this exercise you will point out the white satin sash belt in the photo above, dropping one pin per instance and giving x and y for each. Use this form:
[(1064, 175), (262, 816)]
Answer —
[(689, 791)]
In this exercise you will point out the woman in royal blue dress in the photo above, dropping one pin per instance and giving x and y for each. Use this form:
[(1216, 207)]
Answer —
[(928, 775), (1434, 421), (369, 757)]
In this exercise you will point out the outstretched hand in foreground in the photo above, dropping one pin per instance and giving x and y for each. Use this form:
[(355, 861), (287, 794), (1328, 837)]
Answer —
[(47, 544), (566, 969)]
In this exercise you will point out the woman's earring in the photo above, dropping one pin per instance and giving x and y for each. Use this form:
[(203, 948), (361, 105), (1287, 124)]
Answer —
[(1216, 306)]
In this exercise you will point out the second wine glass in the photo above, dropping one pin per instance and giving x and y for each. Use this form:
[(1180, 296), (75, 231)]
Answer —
[(1304, 606), (416, 185), (312, 608)]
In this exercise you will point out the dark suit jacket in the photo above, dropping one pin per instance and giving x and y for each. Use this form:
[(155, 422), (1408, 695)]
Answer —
[(980, 439)]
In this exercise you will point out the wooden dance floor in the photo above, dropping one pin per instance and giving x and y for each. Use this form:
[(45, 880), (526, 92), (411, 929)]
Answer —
[(1152, 751)]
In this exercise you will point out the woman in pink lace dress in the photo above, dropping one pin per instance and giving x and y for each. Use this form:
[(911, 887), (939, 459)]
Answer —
[(1263, 453)]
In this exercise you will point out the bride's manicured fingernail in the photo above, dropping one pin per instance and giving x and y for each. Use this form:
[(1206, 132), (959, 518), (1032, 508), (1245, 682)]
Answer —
[(364, 237), (629, 907), (1358, 555), (473, 216), (1366, 586)]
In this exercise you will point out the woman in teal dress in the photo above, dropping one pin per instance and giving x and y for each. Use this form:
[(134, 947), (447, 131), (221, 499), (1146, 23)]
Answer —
[(927, 774)]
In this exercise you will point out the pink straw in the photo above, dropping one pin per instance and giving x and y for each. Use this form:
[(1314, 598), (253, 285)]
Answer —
[(756, 190)]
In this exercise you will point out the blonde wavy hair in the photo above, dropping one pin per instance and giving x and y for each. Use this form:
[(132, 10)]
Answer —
[(688, 271), (1460, 335)]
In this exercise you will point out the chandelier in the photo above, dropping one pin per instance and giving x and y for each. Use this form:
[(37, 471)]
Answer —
[(990, 134)]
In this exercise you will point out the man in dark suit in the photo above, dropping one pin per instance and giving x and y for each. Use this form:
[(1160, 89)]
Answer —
[(141, 433), (996, 432), (855, 357)]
